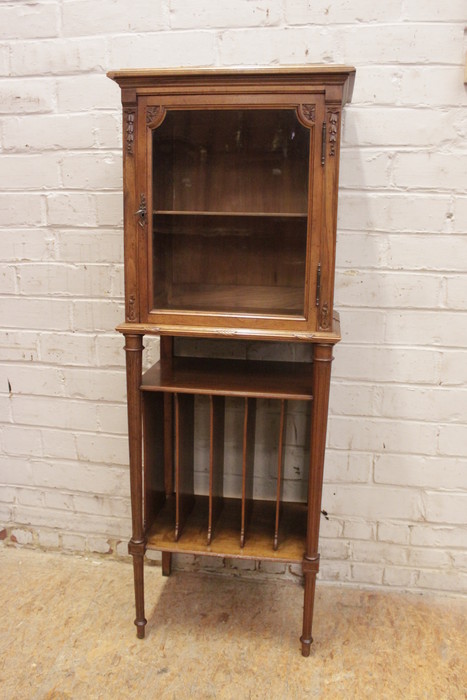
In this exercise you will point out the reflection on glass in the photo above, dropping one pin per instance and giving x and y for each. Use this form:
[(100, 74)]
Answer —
[(230, 192)]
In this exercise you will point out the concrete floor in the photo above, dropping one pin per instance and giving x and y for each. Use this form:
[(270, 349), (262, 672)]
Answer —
[(66, 632)]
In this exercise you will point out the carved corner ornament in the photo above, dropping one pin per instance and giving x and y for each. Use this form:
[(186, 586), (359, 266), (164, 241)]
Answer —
[(129, 130), (333, 129), (154, 116), (306, 114)]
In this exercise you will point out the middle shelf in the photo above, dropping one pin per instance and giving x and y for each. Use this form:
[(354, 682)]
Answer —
[(268, 380)]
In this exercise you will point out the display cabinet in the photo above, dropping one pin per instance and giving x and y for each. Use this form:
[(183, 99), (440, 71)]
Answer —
[(230, 206)]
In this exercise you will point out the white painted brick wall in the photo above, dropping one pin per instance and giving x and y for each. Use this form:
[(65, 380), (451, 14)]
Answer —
[(396, 484)]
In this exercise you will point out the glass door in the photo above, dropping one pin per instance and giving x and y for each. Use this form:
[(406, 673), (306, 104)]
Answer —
[(230, 211)]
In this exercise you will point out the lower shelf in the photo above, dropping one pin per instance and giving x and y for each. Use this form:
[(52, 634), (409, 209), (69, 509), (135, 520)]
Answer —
[(225, 542)]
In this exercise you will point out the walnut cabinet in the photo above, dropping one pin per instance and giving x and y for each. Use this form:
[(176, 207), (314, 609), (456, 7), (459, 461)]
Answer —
[(230, 205)]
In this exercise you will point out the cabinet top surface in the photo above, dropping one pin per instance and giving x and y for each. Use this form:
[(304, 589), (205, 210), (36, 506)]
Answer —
[(315, 69)]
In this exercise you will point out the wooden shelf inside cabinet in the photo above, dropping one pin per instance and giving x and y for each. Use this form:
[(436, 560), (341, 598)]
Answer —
[(268, 380), (225, 541), (230, 216)]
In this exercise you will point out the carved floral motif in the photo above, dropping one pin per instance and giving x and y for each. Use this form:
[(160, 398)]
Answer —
[(333, 126), (131, 310), (130, 130), (324, 320), (308, 112), (154, 115)]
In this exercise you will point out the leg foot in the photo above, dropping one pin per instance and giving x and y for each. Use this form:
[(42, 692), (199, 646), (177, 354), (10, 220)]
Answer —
[(140, 620), (306, 643), (166, 563)]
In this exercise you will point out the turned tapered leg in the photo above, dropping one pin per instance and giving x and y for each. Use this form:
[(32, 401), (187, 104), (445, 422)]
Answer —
[(322, 358), (137, 544)]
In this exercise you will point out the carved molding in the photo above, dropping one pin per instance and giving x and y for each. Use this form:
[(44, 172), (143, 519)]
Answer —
[(306, 114), (333, 116), (154, 116), (129, 129), (131, 310), (324, 318)]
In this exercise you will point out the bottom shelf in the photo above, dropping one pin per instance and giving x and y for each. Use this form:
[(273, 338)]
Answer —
[(225, 542)]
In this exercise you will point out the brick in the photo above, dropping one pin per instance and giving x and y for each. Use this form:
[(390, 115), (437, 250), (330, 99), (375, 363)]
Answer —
[(71, 209), (393, 290), (99, 545), (414, 213), (15, 471), (375, 85), (409, 43), (98, 315), (54, 412), (57, 56), (22, 441), (355, 399), (398, 576), (189, 14), (30, 313), (452, 12), (342, 466), (59, 443), (106, 449), (23, 96), (35, 172), (372, 502), (379, 552), (440, 252), (81, 17), (109, 209), (340, 12), (453, 439), (419, 402), (335, 549), (74, 475), (386, 364), (21, 536), (74, 543), (110, 350), (57, 279), (95, 246), (437, 535), (159, 48), (454, 581), (453, 368), (428, 328), (428, 170), (19, 245), (93, 171), (88, 92), (367, 573), (334, 571), (112, 418), (359, 327), (18, 209), (416, 86), (94, 385), (421, 471), (456, 292), (26, 378), (49, 132), (359, 530), (49, 539), (28, 20), (367, 169), (445, 507), (270, 46), (428, 558), (8, 279), (64, 349)]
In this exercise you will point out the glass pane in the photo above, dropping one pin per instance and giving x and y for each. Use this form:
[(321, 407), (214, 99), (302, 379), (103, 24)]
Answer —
[(230, 193)]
